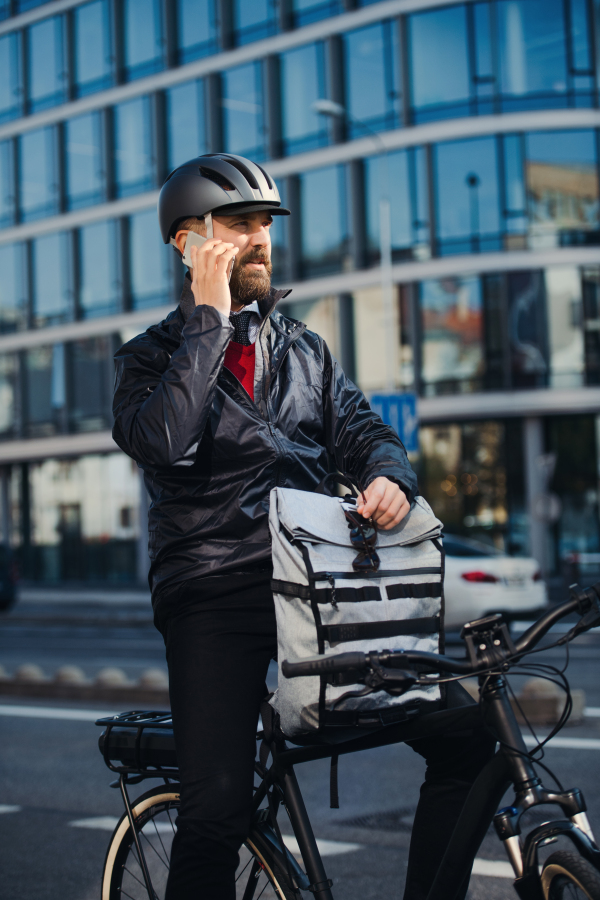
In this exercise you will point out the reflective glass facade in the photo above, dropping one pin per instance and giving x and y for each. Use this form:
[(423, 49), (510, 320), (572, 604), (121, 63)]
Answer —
[(460, 195), (93, 60)]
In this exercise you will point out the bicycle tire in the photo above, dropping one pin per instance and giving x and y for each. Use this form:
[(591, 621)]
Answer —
[(568, 876), (154, 813)]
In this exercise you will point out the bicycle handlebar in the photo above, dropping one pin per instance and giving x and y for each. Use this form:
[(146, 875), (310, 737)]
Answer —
[(586, 602)]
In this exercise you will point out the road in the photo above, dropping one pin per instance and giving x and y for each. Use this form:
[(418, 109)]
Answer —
[(51, 775)]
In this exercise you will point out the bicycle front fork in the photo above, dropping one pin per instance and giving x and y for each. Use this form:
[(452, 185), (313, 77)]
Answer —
[(530, 792)]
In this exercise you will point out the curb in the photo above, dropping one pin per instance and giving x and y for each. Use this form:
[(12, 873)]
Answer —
[(117, 695)]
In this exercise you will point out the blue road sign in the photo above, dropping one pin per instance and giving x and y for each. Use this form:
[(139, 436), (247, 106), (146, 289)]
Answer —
[(399, 411)]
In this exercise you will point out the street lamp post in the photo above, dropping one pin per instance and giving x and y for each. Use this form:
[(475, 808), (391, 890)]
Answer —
[(337, 111)]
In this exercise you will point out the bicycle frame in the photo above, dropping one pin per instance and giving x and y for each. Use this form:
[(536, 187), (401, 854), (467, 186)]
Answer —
[(510, 765)]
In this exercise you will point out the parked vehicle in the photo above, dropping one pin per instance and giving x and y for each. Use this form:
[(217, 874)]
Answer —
[(481, 580)]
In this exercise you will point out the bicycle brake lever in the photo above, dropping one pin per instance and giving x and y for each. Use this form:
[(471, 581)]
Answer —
[(591, 617)]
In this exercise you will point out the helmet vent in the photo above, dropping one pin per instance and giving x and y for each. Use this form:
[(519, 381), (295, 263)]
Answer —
[(245, 171), (269, 182), (217, 178)]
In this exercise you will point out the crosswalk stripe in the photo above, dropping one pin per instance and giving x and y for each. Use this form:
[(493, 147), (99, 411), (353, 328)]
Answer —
[(8, 808), (494, 868)]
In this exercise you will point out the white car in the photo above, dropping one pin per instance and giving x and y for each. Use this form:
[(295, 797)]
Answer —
[(480, 580)]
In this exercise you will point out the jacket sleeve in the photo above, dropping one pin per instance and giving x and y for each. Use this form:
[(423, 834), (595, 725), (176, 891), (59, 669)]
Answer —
[(161, 405), (362, 446)]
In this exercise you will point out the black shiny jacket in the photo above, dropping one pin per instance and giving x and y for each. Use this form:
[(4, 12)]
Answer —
[(211, 455)]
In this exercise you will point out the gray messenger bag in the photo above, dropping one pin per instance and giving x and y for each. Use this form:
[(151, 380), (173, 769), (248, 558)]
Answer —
[(338, 588)]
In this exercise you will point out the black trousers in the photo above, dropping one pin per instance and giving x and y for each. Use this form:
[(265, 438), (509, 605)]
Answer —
[(220, 636)]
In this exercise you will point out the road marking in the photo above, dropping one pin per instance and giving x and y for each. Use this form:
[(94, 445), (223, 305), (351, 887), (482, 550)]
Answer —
[(326, 848), (592, 712), (494, 868), (109, 823), (565, 743), (52, 712), (101, 823), (7, 808)]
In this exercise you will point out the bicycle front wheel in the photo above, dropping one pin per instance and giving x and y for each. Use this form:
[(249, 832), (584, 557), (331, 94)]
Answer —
[(154, 813), (568, 876)]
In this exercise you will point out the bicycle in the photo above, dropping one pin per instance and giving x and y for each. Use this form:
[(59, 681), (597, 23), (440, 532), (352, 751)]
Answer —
[(139, 746)]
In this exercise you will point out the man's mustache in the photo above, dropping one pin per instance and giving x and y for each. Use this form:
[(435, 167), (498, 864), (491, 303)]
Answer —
[(254, 257)]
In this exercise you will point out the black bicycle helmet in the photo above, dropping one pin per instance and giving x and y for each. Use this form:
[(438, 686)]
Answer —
[(218, 183)]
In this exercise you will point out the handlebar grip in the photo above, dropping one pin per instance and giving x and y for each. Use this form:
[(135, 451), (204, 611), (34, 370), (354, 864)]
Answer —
[(321, 665)]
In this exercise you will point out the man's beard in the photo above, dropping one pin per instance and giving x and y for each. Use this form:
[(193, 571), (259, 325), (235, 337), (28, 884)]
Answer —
[(248, 285)]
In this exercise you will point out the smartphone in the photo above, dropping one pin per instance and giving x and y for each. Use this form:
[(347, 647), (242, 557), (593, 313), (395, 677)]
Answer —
[(196, 240)]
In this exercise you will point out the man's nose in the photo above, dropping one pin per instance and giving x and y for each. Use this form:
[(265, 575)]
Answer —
[(260, 237)]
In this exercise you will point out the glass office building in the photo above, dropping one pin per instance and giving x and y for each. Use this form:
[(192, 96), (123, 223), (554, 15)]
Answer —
[(477, 121)]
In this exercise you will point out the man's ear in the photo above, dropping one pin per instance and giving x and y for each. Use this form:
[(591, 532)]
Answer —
[(180, 239)]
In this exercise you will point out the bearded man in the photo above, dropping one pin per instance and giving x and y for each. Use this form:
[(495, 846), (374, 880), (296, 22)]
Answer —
[(222, 401)]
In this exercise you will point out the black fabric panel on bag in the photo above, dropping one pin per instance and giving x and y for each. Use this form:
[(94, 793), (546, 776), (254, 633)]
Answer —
[(381, 573), (348, 595), (415, 591), (324, 595), (365, 631)]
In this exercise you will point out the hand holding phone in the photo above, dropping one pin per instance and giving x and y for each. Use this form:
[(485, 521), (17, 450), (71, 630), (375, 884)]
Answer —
[(197, 240), (207, 268)]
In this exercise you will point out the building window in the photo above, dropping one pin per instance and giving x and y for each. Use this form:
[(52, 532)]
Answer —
[(134, 164), (399, 179), (562, 188), (243, 113), (99, 284), (533, 54), (197, 33), (76, 529), (307, 11), (13, 288), (46, 64), (528, 332), (143, 39), (371, 68), (84, 164), (7, 184), (439, 64), (302, 83), (590, 289), (324, 221), (38, 174), (452, 335), (9, 386), (564, 313), (45, 400), (52, 300), (11, 88), (472, 474), (279, 239), (186, 122), (90, 377), (468, 207), (254, 21), (92, 51), (149, 262), (25, 5)]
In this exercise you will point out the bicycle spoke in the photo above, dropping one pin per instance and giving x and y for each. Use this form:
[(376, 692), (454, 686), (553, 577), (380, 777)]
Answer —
[(243, 870), (125, 894), (150, 844), (161, 842), (171, 820), (263, 890), (135, 878), (252, 881)]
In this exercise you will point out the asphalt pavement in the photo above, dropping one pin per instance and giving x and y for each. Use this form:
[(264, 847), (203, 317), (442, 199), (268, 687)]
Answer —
[(56, 806)]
